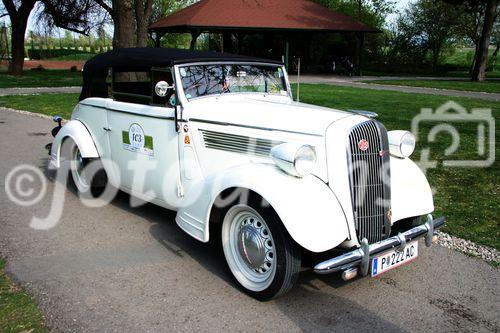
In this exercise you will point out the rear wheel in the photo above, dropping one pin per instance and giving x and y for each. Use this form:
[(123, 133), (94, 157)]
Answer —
[(260, 254), (77, 166), (88, 175)]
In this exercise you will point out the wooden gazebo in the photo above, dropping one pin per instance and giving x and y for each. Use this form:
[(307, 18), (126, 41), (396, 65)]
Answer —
[(233, 19)]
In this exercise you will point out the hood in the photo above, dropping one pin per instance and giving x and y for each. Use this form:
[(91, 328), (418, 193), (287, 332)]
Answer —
[(270, 112)]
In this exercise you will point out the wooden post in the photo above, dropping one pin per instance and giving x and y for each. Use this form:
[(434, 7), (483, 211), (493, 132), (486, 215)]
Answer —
[(227, 43), (287, 53), (158, 39), (194, 37), (360, 48)]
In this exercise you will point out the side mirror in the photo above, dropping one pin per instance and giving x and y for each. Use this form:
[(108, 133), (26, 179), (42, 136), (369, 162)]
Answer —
[(57, 119), (162, 88)]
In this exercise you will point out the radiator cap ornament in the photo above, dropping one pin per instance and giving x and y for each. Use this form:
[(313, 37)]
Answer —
[(363, 145)]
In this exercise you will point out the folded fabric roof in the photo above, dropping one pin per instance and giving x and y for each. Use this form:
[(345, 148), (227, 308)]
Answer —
[(96, 69)]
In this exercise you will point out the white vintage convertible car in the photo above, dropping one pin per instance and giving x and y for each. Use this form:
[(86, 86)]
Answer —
[(279, 184)]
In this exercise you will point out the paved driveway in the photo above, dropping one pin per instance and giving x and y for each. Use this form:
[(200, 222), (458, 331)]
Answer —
[(353, 82), (123, 269), (41, 90)]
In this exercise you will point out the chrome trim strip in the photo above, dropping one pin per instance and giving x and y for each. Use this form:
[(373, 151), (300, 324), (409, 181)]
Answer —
[(249, 126), (131, 111), (140, 114)]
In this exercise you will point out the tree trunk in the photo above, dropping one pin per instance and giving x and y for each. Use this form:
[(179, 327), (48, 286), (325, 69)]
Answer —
[(476, 51), (435, 58), (494, 56), (19, 21), (142, 14), (17, 38), (479, 72), (124, 24)]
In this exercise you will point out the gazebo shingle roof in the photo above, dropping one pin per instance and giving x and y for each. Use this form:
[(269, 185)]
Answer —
[(260, 14)]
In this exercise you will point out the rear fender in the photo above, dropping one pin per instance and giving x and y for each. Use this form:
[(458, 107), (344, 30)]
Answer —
[(77, 131)]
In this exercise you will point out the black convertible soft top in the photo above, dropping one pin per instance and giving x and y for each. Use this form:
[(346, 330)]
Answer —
[(96, 69)]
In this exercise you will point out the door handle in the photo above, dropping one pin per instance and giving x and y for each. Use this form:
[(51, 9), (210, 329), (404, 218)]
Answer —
[(107, 129)]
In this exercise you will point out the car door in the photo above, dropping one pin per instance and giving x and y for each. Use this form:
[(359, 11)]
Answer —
[(144, 146)]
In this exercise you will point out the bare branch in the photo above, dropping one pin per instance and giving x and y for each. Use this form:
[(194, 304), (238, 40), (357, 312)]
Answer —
[(106, 7)]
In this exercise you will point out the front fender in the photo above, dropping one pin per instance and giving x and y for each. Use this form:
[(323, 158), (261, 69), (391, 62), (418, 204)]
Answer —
[(307, 207), (411, 194), (77, 131)]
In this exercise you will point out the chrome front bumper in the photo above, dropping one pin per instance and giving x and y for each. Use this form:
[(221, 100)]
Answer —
[(361, 256)]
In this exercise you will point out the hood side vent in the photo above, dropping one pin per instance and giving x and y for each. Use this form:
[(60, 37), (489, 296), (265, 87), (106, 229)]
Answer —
[(238, 143)]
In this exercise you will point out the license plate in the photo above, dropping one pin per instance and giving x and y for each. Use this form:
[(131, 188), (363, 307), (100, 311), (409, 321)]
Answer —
[(394, 258)]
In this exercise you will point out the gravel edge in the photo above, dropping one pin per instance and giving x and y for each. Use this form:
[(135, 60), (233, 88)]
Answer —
[(486, 253), (39, 115), (29, 113)]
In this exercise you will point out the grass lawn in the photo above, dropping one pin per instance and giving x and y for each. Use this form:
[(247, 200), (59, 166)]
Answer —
[(49, 104), (487, 86), (468, 197), (495, 74), (18, 311), (46, 78)]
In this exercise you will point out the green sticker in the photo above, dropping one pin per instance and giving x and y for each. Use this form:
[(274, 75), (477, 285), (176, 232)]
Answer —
[(136, 141)]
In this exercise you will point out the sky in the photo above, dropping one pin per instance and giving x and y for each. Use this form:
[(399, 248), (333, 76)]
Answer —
[(400, 6)]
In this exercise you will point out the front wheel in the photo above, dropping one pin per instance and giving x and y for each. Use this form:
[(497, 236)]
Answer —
[(262, 257)]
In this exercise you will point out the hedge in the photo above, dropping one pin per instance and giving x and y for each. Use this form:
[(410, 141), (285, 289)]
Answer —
[(38, 54)]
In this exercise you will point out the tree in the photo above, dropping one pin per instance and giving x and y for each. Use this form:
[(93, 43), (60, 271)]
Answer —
[(130, 19), (143, 9), (162, 8), (495, 38), (371, 12), (488, 10), (67, 14), (19, 12), (481, 58), (469, 29), (428, 26)]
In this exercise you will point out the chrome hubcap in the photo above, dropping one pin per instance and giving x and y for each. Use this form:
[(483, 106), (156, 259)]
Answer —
[(255, 245), (249, 247)]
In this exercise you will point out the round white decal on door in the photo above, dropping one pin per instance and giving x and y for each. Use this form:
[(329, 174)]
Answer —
[(136, 136)]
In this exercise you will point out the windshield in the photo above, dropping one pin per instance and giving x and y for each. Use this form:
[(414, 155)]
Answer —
[(216, 79)]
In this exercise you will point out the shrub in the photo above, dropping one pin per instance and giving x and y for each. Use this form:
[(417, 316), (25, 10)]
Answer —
[(38, 54)]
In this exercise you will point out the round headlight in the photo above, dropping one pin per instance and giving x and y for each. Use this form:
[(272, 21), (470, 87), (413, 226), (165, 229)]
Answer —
[(401, 143), (295, 159), (305, 160)]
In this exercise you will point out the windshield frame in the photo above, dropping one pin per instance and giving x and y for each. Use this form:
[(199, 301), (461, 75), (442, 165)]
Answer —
[(184, 99)]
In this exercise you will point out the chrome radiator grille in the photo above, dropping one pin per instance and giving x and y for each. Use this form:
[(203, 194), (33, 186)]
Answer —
[(368, 154)]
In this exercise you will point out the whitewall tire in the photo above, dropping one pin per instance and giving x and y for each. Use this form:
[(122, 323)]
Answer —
[(77, 166), (88, 175), (260, 254)]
